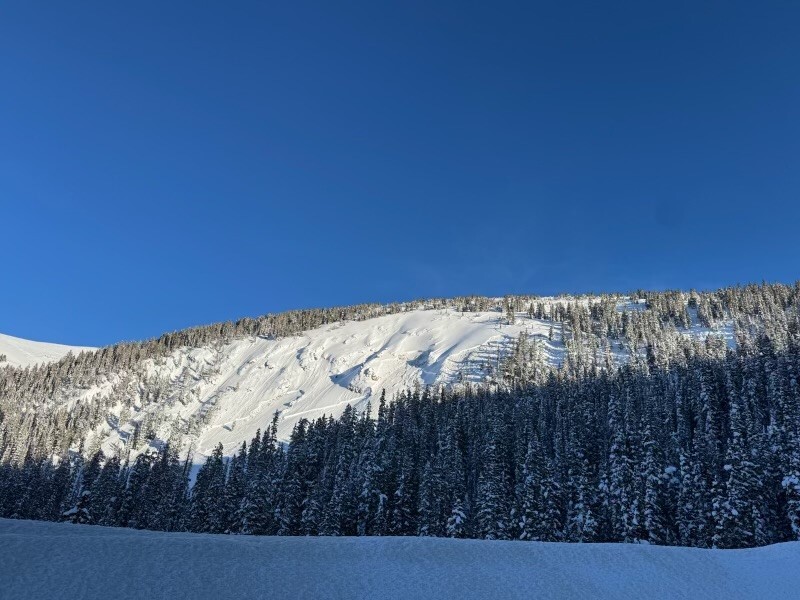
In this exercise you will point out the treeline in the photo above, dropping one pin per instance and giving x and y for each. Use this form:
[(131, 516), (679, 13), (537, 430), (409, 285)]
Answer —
[(700, 453)]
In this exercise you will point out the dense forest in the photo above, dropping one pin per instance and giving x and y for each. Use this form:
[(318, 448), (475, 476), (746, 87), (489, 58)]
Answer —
[(688, 442)]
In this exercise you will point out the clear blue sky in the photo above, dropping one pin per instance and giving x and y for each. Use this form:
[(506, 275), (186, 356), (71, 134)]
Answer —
[(166, 164)]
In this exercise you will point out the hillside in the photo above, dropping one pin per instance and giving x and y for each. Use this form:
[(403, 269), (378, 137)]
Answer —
[(241, 385), (666, 417), (226, 390), (25, 353), (46, 560)]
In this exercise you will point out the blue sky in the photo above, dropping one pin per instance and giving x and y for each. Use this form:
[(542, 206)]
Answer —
[(167, 164)]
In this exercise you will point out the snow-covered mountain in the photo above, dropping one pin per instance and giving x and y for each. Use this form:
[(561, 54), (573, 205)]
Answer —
[(60, 560), (24, 353), (242, 384), (576, 419), (225, 392)]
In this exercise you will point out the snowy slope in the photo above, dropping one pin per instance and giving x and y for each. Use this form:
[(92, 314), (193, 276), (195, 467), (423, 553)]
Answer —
[(52, 560), (239, 386), (225, 392), (23, 353)]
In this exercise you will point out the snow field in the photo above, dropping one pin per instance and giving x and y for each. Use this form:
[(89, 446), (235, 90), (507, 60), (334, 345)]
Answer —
[(41, 560)]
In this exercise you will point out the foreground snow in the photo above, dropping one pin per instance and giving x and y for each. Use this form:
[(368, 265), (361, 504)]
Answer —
[(50, 560), (25, 353)]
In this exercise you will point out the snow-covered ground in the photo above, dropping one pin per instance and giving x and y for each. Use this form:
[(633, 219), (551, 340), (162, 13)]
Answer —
[(23, 353), (41, 560)]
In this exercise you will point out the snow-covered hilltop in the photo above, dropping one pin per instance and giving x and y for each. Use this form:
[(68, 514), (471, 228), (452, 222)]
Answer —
[(24, 353), (51, 560), (224, 391)]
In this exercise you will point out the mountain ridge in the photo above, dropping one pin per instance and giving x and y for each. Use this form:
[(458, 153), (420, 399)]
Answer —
[(225, 389), (20, 352)]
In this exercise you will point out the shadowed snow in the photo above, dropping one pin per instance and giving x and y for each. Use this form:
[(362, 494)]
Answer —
[(59, 560)]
